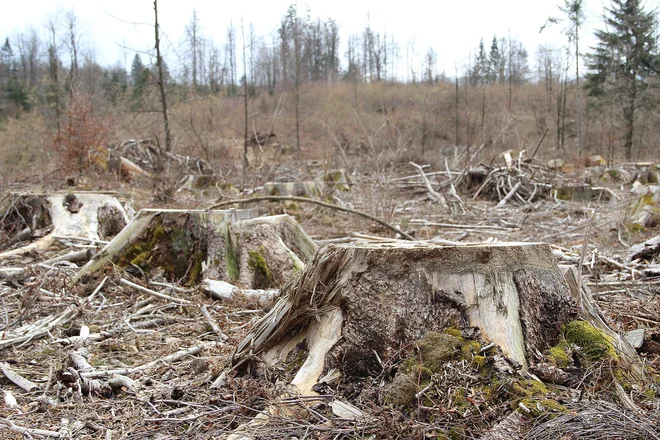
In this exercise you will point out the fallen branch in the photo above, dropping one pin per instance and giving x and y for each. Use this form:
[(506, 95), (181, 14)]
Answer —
[(433, 193), (316, 202), (175, 357), (154, 293), (73, 257), (538, 145), (510, 195), (19, 380), (28, 432)]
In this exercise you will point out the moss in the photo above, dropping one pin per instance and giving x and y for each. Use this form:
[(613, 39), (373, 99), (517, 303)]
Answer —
[(528, 388), (635, 228), (646, 200), (620, 376), (401, 391), (459, 399), (493, 391), (233, 272), (263, 278), (479, 361), (614, 174), (543, 406), (594, 344), (435, 349), (457, 433), (196, 271), (453, 331), (564, 193), (559, 355), (469, 348)]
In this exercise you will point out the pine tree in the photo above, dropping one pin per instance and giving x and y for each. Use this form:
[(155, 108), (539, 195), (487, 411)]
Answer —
[(495, 66), (623, 60)]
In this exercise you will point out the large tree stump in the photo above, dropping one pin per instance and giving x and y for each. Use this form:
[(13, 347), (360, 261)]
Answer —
[(91, 215), (186, 245), (357, 304)]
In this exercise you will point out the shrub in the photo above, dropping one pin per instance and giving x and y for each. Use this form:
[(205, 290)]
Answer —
[(80, 134)]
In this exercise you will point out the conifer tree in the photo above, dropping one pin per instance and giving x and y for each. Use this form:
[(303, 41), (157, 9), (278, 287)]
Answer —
[(623, 61)]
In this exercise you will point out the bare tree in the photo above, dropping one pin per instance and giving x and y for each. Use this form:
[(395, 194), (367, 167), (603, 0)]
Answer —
[(73, 44), (161, 81), (245, 108), (192, 35)]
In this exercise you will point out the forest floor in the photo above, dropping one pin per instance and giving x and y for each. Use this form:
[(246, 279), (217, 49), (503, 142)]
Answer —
[(172, 357)]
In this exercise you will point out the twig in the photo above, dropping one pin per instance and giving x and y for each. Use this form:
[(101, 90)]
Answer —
[(91, 297), (212, 323), (316, 202), (154, 293)]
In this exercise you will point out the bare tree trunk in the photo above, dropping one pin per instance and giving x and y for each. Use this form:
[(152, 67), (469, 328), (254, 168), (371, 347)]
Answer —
[(161, 81), (456, 110), (245, 102), (53, 67), (424, 126), (629, 120), (297, 47), (577, 82)]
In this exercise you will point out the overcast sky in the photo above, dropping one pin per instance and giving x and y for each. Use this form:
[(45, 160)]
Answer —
[(453, 28)]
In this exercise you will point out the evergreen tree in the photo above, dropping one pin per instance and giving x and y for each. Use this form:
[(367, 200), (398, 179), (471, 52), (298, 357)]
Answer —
[(623, 60), (480, 69), (495, 63), (139, 77)]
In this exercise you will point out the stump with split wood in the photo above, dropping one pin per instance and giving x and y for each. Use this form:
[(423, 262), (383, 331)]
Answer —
[(355, 306)]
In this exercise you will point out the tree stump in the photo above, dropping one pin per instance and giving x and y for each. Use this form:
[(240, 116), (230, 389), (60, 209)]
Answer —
[(91, 215), (356, 304), (186, 245)]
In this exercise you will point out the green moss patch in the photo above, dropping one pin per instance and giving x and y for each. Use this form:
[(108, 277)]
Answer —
[(263, 278), (594, 345), (435, 349), (560, 356), (178, 249)]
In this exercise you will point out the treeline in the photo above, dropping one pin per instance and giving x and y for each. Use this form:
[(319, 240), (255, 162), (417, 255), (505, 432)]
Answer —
[(42, 70)]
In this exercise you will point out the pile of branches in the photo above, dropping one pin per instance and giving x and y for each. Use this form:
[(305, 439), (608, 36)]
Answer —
[(151, 157), (518, 182)]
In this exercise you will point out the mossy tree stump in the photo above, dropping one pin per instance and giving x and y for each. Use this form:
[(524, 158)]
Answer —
[(356, 305), (224, 245)]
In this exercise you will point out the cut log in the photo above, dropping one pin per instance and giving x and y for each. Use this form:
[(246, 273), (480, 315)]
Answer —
[(91, 215), (186, 245), (391, 295)]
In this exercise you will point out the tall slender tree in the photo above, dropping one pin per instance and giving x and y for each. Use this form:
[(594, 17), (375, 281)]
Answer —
[(160, 67)]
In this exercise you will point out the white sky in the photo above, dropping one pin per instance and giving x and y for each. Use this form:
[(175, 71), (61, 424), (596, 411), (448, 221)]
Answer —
[(453, 28)]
